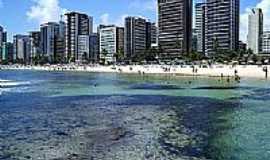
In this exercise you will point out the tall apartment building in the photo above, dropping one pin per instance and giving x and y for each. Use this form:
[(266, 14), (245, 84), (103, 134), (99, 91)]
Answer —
[(175, 27), (111, 41), (148, 34), (154, 34), (83, 48), (35, 44), (222, 25), (3, 36), (21, 48), (53, 41), (194, 40), (49, 33), (135, 36), (77, 24), (120, 38), (94, 47), (255, 30), (200, 27), (266, 42), (7, 52), (3, 39)]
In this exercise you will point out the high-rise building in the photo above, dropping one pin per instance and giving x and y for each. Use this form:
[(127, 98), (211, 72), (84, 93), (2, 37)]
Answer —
[(62, 29), (98, 38), (21, 48), (1, 41), (7, 52), (148, 34), (200, 27), (60, 50), (135, 36), (154, 34), (175, 27), (77, 24), (35, 45), (49, 33), (60, 43), (194, 40), (111, 42), (83, 48), (266, 42), (94, 48), (120, 39), (255, 30), (53, 41), (91, 24), (222, 26), (3, 36)]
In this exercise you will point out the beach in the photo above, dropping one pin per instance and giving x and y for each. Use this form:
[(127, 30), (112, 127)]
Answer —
[(248, 71)]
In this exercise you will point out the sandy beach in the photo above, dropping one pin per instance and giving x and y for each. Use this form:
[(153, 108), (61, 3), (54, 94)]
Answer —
[(252, 71)]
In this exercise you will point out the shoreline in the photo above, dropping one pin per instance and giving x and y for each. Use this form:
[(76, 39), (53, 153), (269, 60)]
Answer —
[(243, 71)]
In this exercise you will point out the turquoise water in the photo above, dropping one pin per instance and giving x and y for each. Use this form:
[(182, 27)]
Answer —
[(65, 115)]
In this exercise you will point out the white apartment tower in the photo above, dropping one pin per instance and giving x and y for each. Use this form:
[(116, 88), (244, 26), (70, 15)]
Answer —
[(255, 30)]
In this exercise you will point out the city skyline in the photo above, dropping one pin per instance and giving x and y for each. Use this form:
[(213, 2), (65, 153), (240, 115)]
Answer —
[(34, 12)]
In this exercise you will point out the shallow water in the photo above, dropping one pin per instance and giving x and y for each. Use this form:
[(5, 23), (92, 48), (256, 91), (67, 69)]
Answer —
[(65, 115)]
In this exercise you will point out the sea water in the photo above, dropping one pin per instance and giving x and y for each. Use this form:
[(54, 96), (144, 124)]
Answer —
[(68, 115)]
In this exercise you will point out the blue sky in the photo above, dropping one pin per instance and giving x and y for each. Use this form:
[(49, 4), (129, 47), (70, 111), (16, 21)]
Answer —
[(21, 16)]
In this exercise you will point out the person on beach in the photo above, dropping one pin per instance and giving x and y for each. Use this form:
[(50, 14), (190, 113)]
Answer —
[(228, 79), (235, 72), (265, 69)]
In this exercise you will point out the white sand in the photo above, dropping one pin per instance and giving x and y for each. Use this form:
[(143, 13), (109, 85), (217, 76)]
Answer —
[(187, 70)]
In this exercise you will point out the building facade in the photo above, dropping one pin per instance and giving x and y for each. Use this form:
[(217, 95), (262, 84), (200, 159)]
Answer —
[(135, 36), (154, 34), (221, 26), (83, 48), (49, 33), (35, 45), (175, 27), (266, 42), (200, 27), (111, 41), (7, 52), (3, 36), (194, 40), (255, 30), (77, 24), (21, 48), (3, 39), (94, 48)]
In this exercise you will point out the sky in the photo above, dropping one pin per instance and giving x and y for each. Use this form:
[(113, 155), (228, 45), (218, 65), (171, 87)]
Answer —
[(22, 16)]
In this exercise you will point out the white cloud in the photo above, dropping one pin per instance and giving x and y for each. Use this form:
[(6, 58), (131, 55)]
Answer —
[(145, 5), (45, 11), (120, 21), (106, 20), (265, 6)]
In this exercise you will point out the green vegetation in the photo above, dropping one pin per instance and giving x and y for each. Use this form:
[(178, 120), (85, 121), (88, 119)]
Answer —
[(120, 55)]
